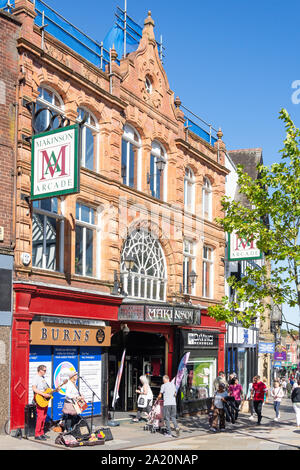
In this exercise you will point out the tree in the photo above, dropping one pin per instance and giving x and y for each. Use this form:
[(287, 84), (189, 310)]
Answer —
[(273, 218)]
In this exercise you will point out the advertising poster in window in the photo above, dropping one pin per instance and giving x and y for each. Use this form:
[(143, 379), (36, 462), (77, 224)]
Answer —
[(40, 355), (90, 371), (197, 382), (65, 359)]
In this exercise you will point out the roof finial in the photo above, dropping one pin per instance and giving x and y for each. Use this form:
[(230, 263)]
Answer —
[(113, 54), (220, 134)]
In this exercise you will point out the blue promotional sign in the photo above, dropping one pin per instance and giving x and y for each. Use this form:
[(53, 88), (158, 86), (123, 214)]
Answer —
[(277, 364), (266, 348), (65, 359), (40, 355)]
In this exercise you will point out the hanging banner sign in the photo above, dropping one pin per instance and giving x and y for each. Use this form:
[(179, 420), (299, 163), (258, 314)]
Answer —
[(181, 369), (118, 381), (240, 249), (54, 163)]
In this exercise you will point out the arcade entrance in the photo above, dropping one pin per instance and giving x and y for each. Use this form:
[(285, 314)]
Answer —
[(145, 355)]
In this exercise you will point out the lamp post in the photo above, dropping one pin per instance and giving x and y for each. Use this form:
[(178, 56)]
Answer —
[(191, 281), (118, 284), (160, 165)]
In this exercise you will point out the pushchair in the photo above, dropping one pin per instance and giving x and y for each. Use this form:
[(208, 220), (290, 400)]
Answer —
[(155, 422)]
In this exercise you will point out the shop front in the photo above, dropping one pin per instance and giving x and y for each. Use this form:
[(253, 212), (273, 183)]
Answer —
[(147, 333), (64, 329), (242, 353), (202, 367)]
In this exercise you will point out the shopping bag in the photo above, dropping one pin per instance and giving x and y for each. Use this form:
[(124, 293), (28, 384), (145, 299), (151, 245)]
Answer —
[(244, 406)]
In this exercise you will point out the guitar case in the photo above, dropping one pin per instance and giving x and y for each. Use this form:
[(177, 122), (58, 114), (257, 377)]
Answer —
[(81, 430)]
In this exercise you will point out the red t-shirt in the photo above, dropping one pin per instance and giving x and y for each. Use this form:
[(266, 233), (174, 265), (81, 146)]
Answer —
[(259, 391)]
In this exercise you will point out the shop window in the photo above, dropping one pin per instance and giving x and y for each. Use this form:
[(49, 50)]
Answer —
[(89, 139), (189, 190), (52, 104), (131, 155), (148, 276), (47, 234), (188, 266), (207, 199), (197, 382), (207, 272), (85, 241), (157, 176)]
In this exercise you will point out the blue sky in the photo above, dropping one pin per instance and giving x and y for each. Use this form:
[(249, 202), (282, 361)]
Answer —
[(231, 62)]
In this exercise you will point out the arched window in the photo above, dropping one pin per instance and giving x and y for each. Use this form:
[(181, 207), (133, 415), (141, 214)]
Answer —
[(148, 277), (89, 142), (189, 190), (157, 176), (52, 104), (207, 199), (131, 155)]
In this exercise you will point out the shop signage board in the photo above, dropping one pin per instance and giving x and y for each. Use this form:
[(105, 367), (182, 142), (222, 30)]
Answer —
[(42, 333), (242, 249), (266, 348), (200, 339), (160, 314), (280, 353), (55, 163)]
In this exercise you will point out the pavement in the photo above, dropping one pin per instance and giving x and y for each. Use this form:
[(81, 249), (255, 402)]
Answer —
[(194, 435)]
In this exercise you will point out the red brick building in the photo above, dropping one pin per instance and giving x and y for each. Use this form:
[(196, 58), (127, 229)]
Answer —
[(9, 74), (137, 250)]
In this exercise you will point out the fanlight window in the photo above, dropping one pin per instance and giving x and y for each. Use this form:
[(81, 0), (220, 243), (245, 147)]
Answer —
[(148, 277)]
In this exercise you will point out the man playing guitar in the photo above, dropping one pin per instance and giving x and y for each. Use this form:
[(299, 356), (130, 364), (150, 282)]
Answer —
[(39, 386)]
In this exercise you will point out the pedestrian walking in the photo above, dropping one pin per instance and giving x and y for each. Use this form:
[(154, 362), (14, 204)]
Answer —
[(250, 399), (284, 384), (236, 391), (145, 398), (221, 379), (296, 402), (258, 393), (217, 407), (277, 394), (168, 392)]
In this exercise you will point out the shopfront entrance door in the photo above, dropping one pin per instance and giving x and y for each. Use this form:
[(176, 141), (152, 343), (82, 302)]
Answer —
[(145, 355)]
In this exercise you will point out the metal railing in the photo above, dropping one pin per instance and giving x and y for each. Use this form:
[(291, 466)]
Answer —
[(55, 24)]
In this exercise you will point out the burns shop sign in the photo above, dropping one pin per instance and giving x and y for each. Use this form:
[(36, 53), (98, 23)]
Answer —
[(54, 163)]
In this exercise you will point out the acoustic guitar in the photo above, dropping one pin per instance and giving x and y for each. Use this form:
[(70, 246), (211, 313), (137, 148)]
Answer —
[(41, 401)]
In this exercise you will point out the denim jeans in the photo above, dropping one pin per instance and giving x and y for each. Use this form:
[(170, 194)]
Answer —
[(276, 408)]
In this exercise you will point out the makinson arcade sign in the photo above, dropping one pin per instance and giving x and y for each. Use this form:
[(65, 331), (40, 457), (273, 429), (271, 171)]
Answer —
[(54, 163), (242, 249)]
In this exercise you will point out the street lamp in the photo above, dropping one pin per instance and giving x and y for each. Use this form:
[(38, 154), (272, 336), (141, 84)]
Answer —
[(118, 284), (191, 281), (160, 165)]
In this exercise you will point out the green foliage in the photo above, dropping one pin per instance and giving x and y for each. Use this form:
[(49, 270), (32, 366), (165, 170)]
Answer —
[(273, 215)]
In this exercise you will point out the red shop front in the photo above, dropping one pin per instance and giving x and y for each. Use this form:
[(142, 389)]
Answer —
[(64, 306), (150, 335)]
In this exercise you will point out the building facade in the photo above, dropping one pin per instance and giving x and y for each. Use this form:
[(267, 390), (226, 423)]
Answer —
[(134, 259), (242, 344), (9, 74)]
